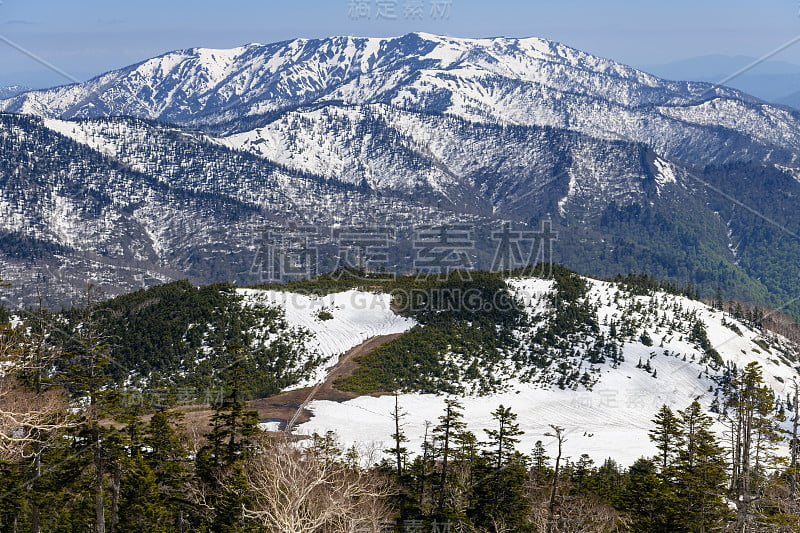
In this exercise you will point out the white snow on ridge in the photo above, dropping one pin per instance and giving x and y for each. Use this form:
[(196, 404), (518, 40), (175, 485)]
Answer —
[(82, 134), (573, 185), (616, 413), (665, 174), (499, 80), (357, 316), (611, 420)]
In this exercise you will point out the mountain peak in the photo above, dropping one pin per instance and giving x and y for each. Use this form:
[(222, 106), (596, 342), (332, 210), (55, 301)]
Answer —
[(500, 80)]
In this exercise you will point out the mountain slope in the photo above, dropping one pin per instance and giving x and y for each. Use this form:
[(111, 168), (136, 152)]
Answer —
[(658, 348), (596, 357), (11, 91), (635, 173), (188, 204), (158, 204)]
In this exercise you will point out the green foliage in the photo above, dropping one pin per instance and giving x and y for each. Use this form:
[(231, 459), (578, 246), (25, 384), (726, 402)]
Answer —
[(700, 473), (645, 339), (142, 506), (499, 495), (461, 320), (20, 246), (219, 462), (570, 287), (646, 285), (149, 484), (324, 315), (648, 500), (328, 283), (767, 250), (668, 438), (148, 480), (175, 337), (699, 336), (12, 501)]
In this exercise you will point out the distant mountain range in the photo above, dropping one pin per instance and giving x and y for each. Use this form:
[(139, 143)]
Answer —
[(176, 166), (14, 90), (771, 80)]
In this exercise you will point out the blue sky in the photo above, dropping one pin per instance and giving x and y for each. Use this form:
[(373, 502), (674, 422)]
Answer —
[(86, 38)]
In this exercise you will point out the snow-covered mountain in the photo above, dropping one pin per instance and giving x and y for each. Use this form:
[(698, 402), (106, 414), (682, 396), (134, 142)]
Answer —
[(636, 172), (181, 165), (499, 81), (476, 167), (128, 203), (135, 204), (657, 360), (11, 91)]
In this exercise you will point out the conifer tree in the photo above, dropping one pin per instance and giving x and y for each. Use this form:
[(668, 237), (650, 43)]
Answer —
[(667, 437), (86, 377), (399, 451), (753, 433), (166, 456), (647, 499), (142, 506), (219, 463), (451, 426), (582, 471), (700, 474), (501, 476), (540, 462), (503, 440)]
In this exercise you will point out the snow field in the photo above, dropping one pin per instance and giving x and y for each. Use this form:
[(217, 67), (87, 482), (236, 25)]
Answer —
[(357, 316), (612, 420)]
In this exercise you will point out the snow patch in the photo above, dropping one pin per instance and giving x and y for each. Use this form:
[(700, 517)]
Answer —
[(665, 172), (356, 317)]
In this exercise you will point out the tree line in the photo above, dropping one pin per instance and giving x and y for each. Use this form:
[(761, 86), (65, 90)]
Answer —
[(71, 461), (72, 458)]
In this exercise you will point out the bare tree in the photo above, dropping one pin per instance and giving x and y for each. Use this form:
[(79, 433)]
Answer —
[(581, 514), (558, 434), (26, 417), (298, 490)]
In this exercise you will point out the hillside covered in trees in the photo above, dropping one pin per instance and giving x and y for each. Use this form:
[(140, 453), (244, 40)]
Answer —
[(134, 413)]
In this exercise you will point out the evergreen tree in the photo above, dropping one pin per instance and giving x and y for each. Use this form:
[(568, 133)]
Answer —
[(607, 482), (85, 375), (446, 433), (753, 433), (540, 462), (219, 463), (648, 500), (701, 476), (667, 437), (503, 440), (399, 452), (142, 506), (167, 458), (499, 493), (582, 471)]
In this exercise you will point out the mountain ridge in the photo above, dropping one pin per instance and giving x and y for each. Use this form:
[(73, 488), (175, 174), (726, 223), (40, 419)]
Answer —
[(420, 129)]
